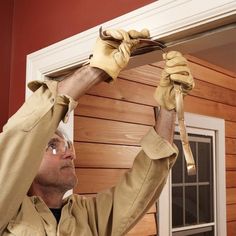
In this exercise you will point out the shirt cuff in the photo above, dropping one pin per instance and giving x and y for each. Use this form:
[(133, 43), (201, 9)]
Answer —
[(156, 147), (62, 99)]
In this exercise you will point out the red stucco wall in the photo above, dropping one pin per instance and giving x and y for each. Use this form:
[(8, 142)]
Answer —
[(6, 16), (37, 24)]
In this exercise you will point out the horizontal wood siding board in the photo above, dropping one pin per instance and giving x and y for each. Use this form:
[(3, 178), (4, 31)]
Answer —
[(231, 228), (146, 74), (210, 66), (97, 180), (214, 93), (231, 195), (212, 76), (105, 131), (208, 75), (231, 213), (231, 162), (126, 90), (230, 179), (202, 89), (145, 227), (210, 108), (106, 108), (104, 155), (230, 129), (230, 145)]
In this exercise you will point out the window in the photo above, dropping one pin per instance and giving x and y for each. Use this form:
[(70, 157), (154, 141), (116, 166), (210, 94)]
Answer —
[(195, 205)]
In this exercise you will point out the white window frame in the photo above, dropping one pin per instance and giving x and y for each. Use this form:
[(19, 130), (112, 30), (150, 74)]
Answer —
[(201, 124), (170, 20)]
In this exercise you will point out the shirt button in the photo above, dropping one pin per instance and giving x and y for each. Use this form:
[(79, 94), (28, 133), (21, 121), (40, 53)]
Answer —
[(52, 100)]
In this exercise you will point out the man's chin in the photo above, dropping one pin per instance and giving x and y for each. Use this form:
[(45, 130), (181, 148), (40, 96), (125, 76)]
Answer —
[(70, 181)]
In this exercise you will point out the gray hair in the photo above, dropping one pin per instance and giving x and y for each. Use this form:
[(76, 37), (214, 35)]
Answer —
[(61, 133)]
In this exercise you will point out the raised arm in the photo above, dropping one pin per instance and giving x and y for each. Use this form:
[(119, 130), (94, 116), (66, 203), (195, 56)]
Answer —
[(25, 136), (122, 206)]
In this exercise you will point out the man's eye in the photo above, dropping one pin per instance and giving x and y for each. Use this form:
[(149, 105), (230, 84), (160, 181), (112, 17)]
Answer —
[(52, 145)]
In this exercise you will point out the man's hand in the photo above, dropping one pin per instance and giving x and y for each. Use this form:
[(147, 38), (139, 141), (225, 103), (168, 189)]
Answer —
[(112, 56), (176, 71)]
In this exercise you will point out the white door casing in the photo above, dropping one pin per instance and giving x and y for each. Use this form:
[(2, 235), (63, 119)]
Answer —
[(164, 18)]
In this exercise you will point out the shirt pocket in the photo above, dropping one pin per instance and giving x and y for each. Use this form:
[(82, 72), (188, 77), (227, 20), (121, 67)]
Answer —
[(23, 229)]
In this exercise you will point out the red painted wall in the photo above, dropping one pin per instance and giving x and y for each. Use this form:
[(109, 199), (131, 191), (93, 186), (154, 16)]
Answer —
[(38, 24), (6, 16)]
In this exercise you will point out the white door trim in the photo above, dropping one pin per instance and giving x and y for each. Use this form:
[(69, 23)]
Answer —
[(163, 18)]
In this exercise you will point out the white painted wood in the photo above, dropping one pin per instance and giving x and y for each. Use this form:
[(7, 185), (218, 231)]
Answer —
[(164, 210), (162, 18)]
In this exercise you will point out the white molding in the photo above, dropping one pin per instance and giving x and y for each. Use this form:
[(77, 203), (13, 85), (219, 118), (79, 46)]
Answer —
[(162, 18), (202, 124)]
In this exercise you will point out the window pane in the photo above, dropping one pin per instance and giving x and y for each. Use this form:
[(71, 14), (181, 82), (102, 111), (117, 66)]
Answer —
[(205, 204), (204, 234), (193, 196), (177, 206), (205, 231), (190, 178), (204, 162), (191, 205), (177, 171)]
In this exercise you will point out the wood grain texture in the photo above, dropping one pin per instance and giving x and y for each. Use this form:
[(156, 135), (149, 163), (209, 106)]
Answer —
[(230, 129), (208, 75), (98, 107), (210, 108), (230, 179), (231, 228), (105, 155), (112, 118), (105, 131), (146, 226), (126, 90), (203, 88), (231, 212), (230, 162), (146, 74), (210, 66), (231, 195), (230, 146)]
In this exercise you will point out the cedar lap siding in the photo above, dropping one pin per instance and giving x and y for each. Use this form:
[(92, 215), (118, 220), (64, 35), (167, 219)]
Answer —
[(112, 118)]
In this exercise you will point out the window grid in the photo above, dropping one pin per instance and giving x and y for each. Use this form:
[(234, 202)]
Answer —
[(197, 183)]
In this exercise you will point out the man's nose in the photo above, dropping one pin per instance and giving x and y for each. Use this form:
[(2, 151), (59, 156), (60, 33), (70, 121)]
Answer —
[(69, 154)]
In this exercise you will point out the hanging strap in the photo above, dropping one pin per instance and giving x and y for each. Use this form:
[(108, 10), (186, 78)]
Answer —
[(182, 130)]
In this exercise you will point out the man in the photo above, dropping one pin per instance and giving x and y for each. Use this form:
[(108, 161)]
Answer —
[(37, 160)]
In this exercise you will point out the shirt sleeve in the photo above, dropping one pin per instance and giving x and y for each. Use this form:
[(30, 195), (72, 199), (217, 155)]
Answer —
[(119, 208), (23, 142)]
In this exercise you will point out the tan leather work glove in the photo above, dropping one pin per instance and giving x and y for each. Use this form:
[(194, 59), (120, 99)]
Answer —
[(113, 55), (177, 71)]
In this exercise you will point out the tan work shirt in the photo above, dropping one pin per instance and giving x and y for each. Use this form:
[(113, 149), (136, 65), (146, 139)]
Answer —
[(111, 213)]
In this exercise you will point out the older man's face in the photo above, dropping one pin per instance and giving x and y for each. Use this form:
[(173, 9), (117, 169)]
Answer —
[(57, 168)]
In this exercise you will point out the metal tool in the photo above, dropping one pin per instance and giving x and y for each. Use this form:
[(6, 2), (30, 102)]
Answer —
[(146, 45)]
